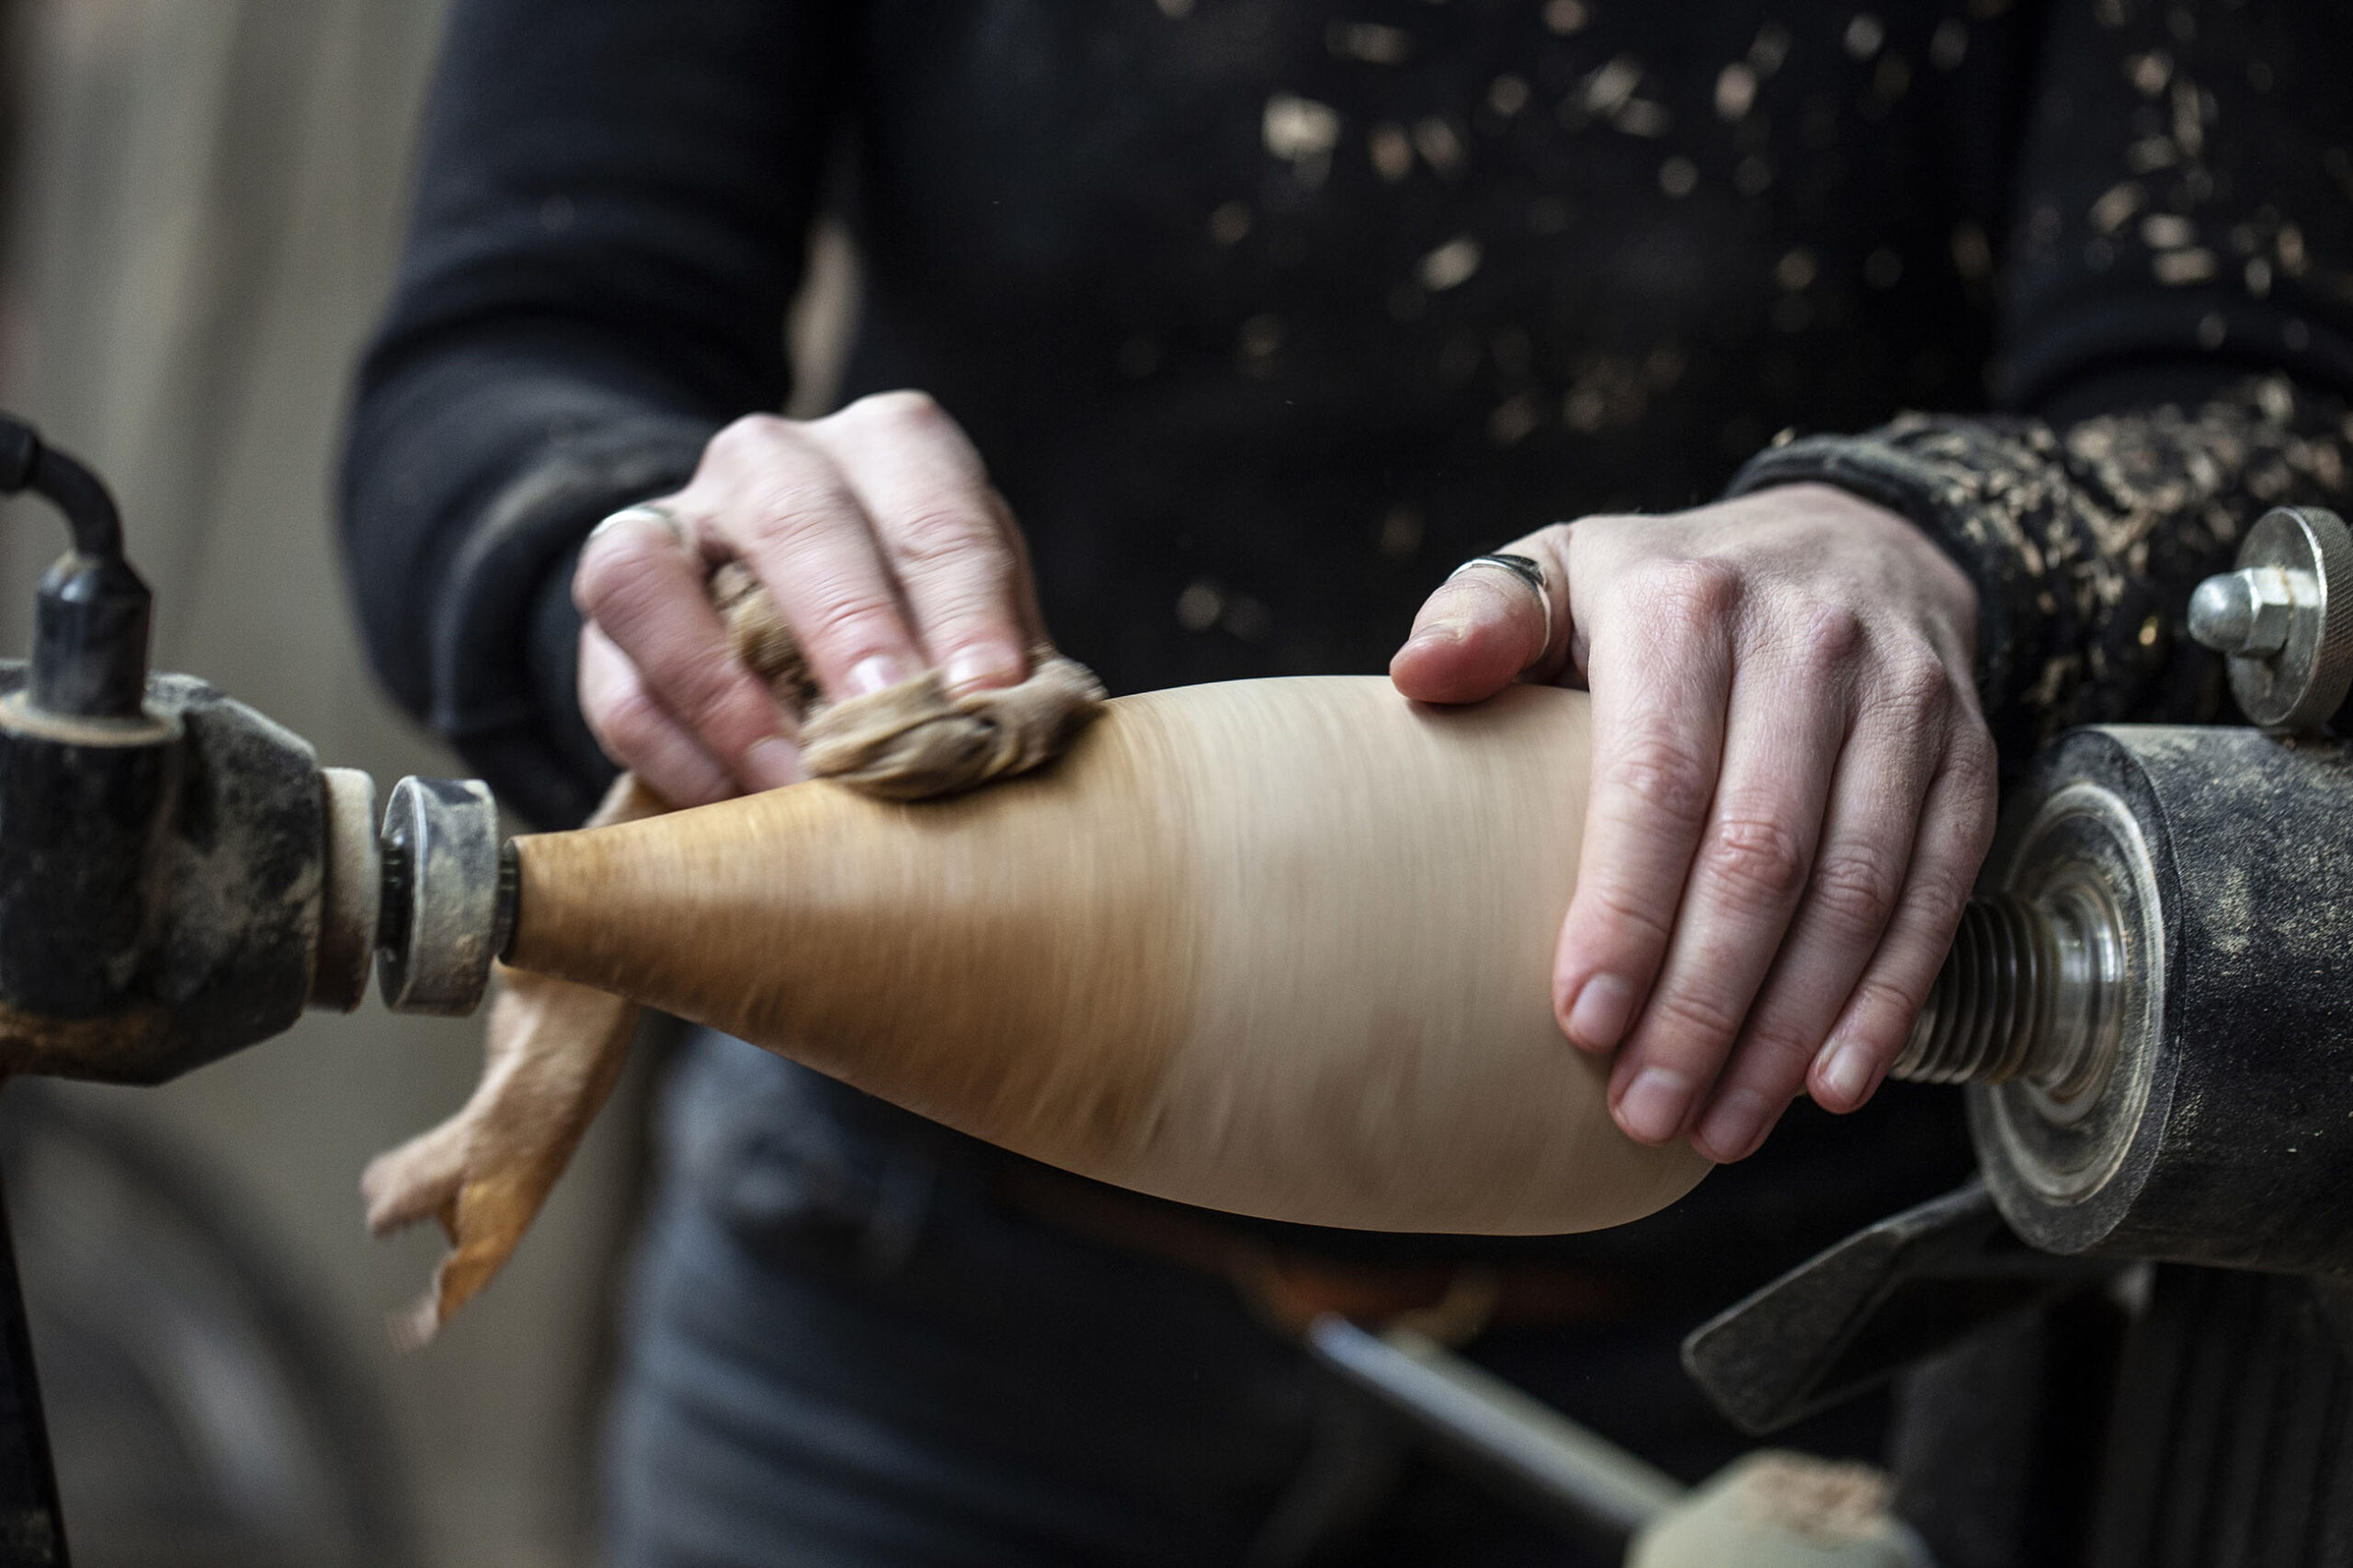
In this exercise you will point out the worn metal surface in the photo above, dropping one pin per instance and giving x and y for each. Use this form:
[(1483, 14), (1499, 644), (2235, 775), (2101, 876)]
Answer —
[(2224, 1132), (1849, 1318), (2283, 620), (93, 615), (83, 808), (135, 946), (2077, 840), (2030, 990), (438, 932)]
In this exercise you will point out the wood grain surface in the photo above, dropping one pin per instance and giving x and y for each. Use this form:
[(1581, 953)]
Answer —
[(1278, 947)]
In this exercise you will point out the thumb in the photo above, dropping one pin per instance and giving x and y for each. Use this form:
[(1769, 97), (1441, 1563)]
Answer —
[(1497, 617)]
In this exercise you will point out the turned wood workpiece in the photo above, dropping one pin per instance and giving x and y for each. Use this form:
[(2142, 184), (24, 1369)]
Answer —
[(1276, 947), (1281, 948)]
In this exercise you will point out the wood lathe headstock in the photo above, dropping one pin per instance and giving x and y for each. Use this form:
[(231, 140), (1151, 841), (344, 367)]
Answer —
[(179, 878)]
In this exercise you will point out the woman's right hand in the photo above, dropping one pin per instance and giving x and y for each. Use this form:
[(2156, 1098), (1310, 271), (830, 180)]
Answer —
[(886, 550)]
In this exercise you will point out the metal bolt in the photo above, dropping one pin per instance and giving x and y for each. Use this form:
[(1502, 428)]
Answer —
[(2284, 620), (2246, 613)]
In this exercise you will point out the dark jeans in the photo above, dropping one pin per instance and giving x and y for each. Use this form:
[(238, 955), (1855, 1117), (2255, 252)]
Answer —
[(843, 1350)]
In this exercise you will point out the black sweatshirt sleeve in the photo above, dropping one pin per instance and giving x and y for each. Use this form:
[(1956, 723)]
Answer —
[(613, 199), (2179, 343)]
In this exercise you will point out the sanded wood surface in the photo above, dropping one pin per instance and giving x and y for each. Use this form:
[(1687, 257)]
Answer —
[(1275, 947)]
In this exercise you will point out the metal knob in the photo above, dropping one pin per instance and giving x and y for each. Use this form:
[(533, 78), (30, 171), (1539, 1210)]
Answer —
[(2246, 613), (2284, 620)]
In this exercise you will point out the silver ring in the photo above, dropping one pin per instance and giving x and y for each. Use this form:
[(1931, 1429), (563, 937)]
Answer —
[(649, 511), (1521, 566)]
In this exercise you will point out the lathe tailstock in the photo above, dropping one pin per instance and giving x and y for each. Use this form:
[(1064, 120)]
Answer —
[(2129, 1340)]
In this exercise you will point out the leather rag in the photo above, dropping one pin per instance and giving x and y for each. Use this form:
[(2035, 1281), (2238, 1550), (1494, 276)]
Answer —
[(553, 1050)]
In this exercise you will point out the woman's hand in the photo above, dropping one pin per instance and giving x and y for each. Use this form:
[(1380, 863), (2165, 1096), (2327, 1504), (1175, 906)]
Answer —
[(1793, 790), (885, 548)]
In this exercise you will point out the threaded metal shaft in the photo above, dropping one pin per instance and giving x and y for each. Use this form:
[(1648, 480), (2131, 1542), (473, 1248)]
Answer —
[(1993, 1002), (2030, 990)]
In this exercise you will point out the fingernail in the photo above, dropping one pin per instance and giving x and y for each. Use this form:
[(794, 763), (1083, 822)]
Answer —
[(874, 674), (773, 764), (1436, 631), (1652, 1109), (1735, 1125), (982, 666), (1843, 1071), (1597, 1021)]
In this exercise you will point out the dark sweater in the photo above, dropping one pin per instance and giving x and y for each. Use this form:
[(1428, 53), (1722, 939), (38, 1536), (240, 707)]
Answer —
[(1265, 315)]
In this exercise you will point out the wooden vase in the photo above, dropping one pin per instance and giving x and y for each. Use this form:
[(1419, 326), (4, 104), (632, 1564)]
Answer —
[(1279, 947)]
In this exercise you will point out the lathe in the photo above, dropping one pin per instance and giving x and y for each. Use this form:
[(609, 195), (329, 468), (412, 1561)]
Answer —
[(2147, 1006)]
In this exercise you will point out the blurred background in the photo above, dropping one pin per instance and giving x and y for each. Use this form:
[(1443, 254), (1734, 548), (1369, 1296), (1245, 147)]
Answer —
[(202, 200)]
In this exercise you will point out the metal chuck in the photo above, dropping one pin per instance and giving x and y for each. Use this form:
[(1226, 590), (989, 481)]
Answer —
[(2146, 1004), (448, 897)]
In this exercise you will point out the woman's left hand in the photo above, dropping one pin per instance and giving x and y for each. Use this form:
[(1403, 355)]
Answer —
[(1793, 790)]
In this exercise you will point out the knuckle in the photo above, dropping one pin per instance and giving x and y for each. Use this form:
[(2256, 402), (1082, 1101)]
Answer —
[(903, 419), (1939, 887), (1693, 590), (1856, 890), (905, 409), (1692, 1020), (1974, 765), (1977, 835), (1883, 1008), (846, 623), (794, 508), (1627, 920), (626, 723), (1966, 815), (705, 701), (1757, 860), (1774, 1055), (1663, 775), (1916, 685), (1829, 636), (946, 534), (749, 437)]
